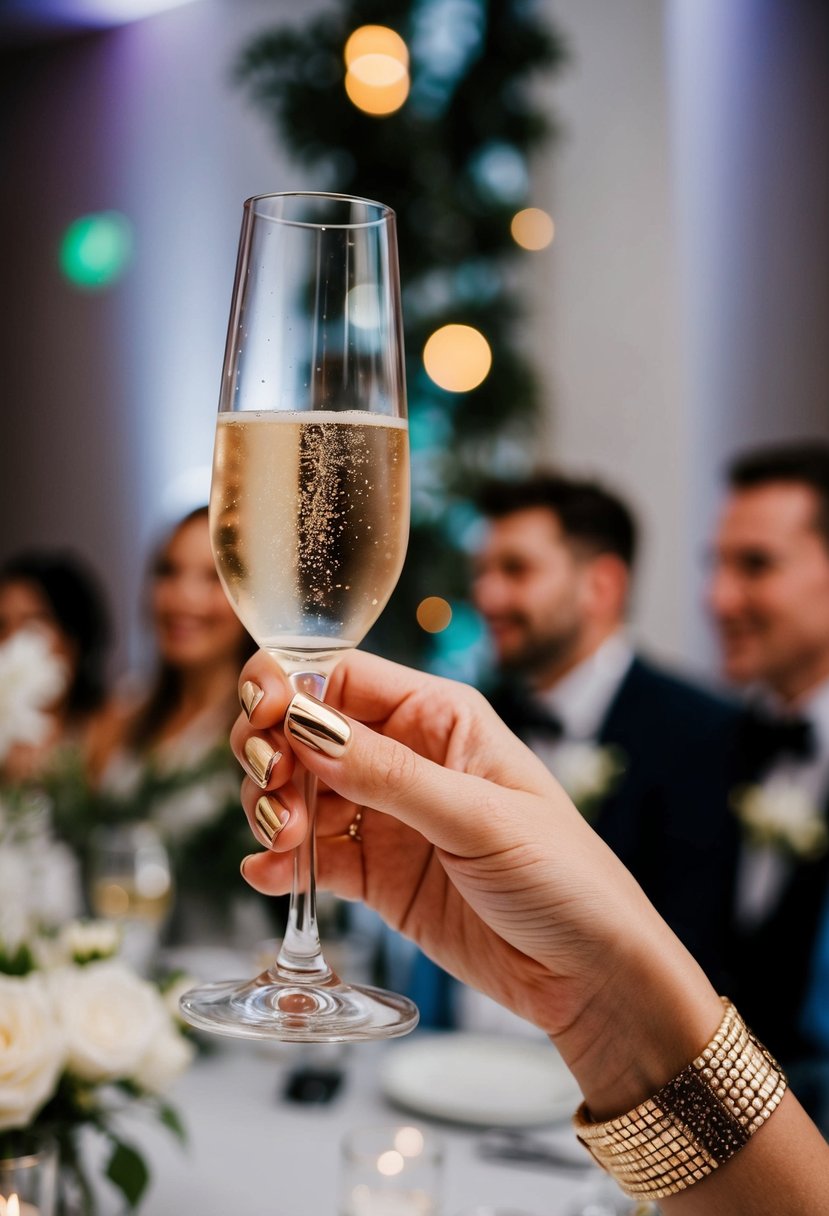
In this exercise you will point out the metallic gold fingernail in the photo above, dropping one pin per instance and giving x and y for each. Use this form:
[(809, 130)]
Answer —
[(261, 758), (318, 725), (243, 863), (269, 820), (250, 695)]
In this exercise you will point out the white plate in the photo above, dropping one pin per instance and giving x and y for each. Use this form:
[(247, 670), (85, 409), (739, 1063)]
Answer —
[(483, 1080)]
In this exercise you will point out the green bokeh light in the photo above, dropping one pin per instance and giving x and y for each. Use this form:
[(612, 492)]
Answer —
[(96, 249)]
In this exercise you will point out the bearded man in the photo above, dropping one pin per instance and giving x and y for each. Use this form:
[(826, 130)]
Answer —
[(646, 755)]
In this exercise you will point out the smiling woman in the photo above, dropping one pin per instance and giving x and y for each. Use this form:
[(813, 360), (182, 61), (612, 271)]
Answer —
[(164, 755)]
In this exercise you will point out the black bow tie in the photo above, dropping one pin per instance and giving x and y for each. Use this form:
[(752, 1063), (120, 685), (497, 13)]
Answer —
[(542, 722), (770, 737), (525, 715)]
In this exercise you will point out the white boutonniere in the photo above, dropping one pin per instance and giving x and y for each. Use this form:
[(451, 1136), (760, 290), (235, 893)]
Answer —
[(780, 814), (588, 772)]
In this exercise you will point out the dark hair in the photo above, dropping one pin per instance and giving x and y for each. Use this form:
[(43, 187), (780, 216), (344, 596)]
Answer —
[(804, 463), (78, 604), (588, 514), (166, 688)]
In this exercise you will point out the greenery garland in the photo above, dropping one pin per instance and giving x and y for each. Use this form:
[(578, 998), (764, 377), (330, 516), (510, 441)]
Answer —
[(454, 163)]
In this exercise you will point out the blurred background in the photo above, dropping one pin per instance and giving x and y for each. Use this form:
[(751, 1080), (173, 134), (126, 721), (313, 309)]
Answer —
[(679, 313)]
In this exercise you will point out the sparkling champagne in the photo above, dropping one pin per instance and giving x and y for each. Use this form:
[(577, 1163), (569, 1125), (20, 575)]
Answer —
[(309, 518)]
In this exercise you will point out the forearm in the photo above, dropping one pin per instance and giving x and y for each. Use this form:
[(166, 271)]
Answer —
[(654, 1016), (784, 1169)]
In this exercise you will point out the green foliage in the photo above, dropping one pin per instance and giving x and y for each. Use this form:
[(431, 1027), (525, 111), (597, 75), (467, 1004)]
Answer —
[(127, 1171), (16, 960), (453, 162)]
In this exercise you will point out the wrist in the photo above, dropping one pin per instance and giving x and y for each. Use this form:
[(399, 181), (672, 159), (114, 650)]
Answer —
[(652, 1015)]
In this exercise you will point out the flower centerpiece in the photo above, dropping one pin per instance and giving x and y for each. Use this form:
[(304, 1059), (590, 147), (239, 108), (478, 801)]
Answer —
[(86, 1042)]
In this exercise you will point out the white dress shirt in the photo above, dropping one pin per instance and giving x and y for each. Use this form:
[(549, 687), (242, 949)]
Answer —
[(582, 698)]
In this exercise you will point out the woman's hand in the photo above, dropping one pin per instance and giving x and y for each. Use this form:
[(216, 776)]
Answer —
[(468, 845)]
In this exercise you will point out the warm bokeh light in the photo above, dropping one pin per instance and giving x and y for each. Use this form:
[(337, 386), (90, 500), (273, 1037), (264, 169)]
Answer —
[(457, 358), (96, 249), (377, 81), (433, 616), (409, 1140), (390, 1163), (376, 40), (377, 84), (532, 228)]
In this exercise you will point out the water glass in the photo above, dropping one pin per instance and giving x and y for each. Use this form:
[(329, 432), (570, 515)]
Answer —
[(28, 1182), (391, 1171)]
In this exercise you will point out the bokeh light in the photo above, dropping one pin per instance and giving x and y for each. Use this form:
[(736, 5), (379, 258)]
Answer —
[(376, 40), (409, 1141), (457, 358), (390, 1163), (434, 614), (532, 228), (96, 249), (377, 77)]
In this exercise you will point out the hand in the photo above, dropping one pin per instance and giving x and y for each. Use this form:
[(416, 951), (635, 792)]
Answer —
[(468, 845)]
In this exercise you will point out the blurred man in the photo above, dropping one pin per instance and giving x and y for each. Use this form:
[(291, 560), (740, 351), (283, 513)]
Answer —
[(644, 755), (769, 596)]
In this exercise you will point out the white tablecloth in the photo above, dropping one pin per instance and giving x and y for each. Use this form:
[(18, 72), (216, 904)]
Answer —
[(251, 1152)]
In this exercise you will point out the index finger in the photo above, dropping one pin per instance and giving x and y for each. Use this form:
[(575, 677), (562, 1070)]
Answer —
[(364, 686)]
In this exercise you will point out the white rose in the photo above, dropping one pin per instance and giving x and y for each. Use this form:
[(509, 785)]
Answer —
[(109, 1016), (31, 678), (32, 1053), (166, 1058)]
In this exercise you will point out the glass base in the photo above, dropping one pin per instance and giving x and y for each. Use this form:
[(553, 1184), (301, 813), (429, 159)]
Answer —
[(298, 1009)]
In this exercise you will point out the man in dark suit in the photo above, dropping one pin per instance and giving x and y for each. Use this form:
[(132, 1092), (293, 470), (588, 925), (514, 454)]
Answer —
[(769, 595), (645, 755)]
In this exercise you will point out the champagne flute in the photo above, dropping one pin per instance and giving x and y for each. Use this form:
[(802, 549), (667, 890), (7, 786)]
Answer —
[(309, 520)]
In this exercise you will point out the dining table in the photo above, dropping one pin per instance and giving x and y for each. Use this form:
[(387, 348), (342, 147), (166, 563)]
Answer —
[(253, 1148)]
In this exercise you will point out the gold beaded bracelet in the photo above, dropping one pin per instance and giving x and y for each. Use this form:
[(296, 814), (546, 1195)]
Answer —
[(693, 1124)]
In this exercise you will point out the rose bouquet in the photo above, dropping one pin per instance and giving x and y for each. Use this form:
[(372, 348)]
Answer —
[(86, 1042)]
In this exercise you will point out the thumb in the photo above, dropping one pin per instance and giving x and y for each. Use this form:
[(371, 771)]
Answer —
[(456, 811)]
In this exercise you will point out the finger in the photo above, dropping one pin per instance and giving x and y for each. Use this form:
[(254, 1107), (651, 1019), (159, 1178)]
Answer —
[(368, 687), (265, 755), (264, 691), (277, 818), (458, 812), (339, 869)]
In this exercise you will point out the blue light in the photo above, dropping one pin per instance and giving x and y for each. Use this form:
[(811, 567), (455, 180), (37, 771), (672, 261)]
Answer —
[(500, 171)]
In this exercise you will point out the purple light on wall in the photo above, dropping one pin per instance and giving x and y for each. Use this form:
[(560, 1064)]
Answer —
[(81, 14)]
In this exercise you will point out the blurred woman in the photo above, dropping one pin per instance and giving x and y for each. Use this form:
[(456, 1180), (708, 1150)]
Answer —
[(54, 633), (164, 757), (57, 596)]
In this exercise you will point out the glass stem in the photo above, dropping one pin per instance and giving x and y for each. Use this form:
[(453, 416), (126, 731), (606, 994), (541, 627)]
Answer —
[(301, 951)]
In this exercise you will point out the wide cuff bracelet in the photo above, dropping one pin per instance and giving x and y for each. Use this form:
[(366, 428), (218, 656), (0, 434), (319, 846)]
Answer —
[(693, 1124)]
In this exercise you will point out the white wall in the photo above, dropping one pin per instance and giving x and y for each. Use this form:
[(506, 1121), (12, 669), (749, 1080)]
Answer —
[(608, 292), (111, 395)]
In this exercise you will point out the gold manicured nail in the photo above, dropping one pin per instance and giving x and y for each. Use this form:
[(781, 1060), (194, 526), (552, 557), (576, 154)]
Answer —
[(250, 695), (269, 821), (243, 863), (261, 758), (318, 725)]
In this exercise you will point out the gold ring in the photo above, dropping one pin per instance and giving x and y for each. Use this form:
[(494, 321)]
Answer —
[(354, 828)]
